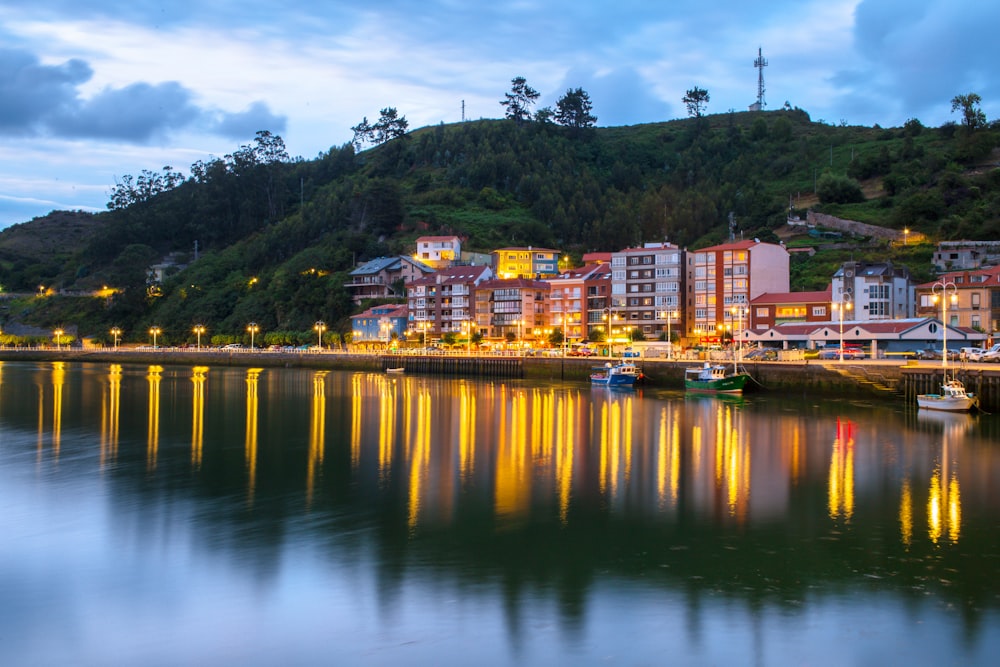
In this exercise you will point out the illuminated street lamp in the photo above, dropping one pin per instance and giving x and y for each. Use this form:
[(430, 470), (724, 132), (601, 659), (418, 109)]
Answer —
[(154, 332), (669, 316), (58, 334), (738, 312), (319, 328), (199, 329), (845, 304), (906, 234), (116, 333), (941, 291), (253, 328)]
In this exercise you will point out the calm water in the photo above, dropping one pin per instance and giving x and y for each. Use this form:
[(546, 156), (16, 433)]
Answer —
[(179, 515)]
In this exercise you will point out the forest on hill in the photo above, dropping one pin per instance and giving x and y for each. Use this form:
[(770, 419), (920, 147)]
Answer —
[(270, 239)]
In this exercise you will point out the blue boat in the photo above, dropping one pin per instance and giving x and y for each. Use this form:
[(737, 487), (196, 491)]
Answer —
[(623, 374)]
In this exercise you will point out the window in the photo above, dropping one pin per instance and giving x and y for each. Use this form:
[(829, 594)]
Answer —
[(819, 311)]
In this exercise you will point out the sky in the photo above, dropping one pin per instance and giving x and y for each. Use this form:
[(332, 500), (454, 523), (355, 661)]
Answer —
[(91, 91)]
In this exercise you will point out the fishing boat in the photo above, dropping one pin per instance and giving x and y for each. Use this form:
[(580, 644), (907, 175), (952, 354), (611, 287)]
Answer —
[(623, 374), (953, 398), (715, 379), (396, 369)]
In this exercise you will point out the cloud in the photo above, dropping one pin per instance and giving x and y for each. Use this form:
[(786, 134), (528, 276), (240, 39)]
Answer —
[(30, 91), (245, 124), (136, 113)]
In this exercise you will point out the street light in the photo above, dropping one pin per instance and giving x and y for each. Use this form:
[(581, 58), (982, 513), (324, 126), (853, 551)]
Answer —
[(154, 332), (116, 333), (670, 339), (320, 327), (906, 234), (845, 304), (58, 334), (199, 329), (738, 312), (941, 291), (253, 328)]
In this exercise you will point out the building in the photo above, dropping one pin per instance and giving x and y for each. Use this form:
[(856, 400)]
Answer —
[(438, 252), (966, 255), (773, 308), (647, 288), (530, 263), (443, 302), (976, 302), (568, 300), (722, 280), (514, 309), (380, 278), (379, 326), (879, 337), (597, 288), (877, 291)]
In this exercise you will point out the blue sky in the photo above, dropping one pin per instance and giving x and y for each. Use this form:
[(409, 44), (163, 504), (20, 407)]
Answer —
[(90, 91)]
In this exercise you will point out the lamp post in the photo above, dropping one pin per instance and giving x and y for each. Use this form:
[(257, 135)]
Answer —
[(845, 304), (199, 329), (944, 290), (253, 328), (906, 234), (738, 312), (669, 317), (58, 334), (319, 327), (116, 333), (154, 332)]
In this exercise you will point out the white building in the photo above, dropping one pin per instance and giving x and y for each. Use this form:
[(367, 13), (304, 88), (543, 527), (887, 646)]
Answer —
[(872, 292)]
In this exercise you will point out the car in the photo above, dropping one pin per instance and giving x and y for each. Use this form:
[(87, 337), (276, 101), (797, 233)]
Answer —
[(991, 355), (932, 354), (971, 353), (850, 352)]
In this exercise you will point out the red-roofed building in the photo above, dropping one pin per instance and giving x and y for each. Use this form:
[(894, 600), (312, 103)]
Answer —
[(444, 301), (977, 299), (517, 308), (569, 298), (768, 310), (438, 251), (722, 280)]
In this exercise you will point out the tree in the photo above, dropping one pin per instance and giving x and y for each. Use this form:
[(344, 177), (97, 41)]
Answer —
[(973, 117), (519, 100), (389, 126), (696, 101), (573, 109)]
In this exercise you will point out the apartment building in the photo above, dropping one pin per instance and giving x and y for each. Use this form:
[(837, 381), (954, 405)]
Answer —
[(528, 263), (722, 280), (874, 291), (443, 302), (568, 300), (514, 309), (438, 252), (647, 289), (976, 303)]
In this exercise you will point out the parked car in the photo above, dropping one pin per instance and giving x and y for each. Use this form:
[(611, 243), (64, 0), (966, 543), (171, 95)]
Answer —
[(931, 353), (971, 353), (850, 352), (991, 355)]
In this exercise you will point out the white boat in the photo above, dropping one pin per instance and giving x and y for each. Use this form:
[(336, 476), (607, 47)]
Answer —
[(953, 398), (397, 369)]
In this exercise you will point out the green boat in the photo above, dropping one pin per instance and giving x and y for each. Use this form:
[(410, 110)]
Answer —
[(717, 379)]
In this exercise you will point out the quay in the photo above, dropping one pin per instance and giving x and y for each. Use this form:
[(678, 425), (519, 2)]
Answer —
[(890, 380)]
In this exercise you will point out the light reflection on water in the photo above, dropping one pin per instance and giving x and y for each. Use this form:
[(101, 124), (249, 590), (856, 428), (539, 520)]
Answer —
[(311, 516)]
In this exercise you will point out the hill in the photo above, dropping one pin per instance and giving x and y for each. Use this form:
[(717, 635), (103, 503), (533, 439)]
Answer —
[(269, 239)]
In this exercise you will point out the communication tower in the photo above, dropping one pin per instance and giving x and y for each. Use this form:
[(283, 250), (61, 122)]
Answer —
[(760, 63)]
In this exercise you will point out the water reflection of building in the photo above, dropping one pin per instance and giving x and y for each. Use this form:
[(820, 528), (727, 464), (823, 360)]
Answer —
[(250, 430), (840, 486), (153, 378), (317, 433), (199, 375), (111, 414)]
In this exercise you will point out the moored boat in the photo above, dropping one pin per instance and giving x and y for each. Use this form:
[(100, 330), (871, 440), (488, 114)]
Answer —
[(396, 369), (622, 374), (715, 379), (953, 398)]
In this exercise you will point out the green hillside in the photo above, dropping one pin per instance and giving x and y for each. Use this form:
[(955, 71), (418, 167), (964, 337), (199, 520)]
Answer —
[(275, 236)]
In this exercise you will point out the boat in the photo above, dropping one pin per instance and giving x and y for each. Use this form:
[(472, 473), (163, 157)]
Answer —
[(715, 379), (953, 398), (396, 369), (622, 374)]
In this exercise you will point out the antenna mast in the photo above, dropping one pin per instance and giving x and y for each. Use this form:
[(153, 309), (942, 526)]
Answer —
[(760, 63)]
